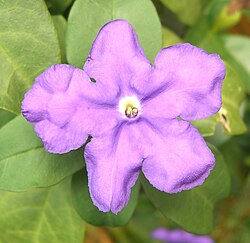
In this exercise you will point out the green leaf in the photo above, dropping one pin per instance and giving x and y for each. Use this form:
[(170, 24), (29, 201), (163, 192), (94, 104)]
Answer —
[(239, 48), (38, 216), (169, 37), (193, 209), (5, 117), (233, 94), (61, 26), (206, 126), (90, 213), (28, 45), (87, 17), (58, 6), (24, 163), (219, 137), (188, 11)]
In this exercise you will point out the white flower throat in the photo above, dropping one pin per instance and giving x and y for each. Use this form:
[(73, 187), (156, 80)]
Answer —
[(129, 107)]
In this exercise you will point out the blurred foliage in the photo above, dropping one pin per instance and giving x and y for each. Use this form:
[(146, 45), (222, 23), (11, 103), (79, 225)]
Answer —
[(36, 34), (188, 12)]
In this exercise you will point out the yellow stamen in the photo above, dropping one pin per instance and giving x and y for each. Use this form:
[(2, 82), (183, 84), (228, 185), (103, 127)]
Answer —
[(129, 106), (131, 112)]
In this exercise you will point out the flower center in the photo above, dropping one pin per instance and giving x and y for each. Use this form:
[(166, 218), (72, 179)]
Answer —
[(129, 107), (131, 112)]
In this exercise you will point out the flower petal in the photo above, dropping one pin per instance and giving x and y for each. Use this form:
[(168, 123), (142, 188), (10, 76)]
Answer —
[(185, 82), (113, 164), (66, 107), (179, 236), (116, 59), (179, 159)]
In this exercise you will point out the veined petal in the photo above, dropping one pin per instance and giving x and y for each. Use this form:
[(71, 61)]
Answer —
[(180, 159), (185, 82), (113, 163), (66, 107), (116, 59)]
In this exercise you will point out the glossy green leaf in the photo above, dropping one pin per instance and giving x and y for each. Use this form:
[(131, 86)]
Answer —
[(28, 45), (61, 26), (87, 17), (169, 37), (233, 94), (188, 11), (24, 163), (40, 216), (58, 6), (193, 209), (90, 213), (5, 117)]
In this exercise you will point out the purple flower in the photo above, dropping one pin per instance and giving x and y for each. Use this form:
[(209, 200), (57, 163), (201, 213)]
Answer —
[(132, 112), (179, 236)]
